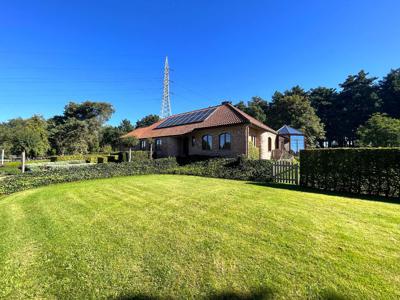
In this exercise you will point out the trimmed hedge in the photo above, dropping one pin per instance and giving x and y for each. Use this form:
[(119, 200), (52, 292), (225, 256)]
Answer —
[(229, 168), (240, 168), (26, 181), (88, 157), (372, 171)]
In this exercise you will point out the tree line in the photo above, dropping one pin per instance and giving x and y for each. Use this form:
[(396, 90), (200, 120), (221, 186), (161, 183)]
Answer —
[(80, 129), (364, 111)]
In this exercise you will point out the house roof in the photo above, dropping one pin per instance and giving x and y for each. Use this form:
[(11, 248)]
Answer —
[(287, 130), (223, 115)]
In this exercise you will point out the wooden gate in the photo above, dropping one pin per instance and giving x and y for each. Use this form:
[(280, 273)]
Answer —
[(285, 172)]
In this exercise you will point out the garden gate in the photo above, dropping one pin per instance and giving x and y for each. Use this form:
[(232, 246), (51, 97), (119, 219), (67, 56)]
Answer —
[(285, 172)]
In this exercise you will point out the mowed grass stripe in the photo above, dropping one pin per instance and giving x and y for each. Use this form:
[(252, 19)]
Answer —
[(182, 236)]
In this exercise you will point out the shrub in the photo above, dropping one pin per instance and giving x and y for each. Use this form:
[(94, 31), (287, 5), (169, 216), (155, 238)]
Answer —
[(102, 160), (230, 168), (254, 152), (373, 171), (26, 181)]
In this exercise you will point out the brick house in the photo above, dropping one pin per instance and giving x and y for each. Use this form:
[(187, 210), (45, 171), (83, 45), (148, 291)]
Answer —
[(222, 130)]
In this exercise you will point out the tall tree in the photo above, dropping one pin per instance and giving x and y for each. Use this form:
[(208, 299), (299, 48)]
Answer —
[(380, 131), (85, 120), (293, 108), (147, 121), (357, 101), (125, 126), (29, 135), (256, 107), (324, 101), (389, 91)]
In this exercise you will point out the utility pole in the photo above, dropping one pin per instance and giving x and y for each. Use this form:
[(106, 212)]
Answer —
[(2, 157), (166, 102)]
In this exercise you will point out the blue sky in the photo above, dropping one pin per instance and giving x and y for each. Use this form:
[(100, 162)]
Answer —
[(53, 52)]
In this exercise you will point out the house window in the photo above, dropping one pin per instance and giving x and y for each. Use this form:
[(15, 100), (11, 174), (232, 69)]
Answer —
[(206, 142), (193, 141), (142, 145), (158, 144), (253, 140), (269, 144), (225, 141)]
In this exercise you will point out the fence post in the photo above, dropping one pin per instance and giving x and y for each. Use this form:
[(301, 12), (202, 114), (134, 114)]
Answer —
[(130, 155), (23, 162), (2, 157)]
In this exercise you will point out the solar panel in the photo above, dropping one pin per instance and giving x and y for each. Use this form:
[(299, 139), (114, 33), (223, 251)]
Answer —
[(187, 118)]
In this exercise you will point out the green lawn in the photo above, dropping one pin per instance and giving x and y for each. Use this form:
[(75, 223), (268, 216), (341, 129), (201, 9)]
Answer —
[(154, 236)]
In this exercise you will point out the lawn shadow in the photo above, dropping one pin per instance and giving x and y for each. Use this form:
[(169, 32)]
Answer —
[(298, 188), (257, 294)]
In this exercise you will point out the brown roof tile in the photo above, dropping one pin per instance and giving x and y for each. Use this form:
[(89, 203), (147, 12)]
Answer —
[(224, 115)]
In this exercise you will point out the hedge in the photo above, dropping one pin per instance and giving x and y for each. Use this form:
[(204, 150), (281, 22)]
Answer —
[(229, 168), (240, 168), (372, 171), (26, 181)]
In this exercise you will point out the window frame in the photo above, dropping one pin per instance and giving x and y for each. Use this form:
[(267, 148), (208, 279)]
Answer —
[(143, 144), (269, 144), (224, 136), (158, 144), (193, 141), (207, 142)]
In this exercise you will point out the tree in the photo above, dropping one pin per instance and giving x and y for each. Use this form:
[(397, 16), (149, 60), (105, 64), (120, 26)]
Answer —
[(380, 131), (29, 135), (72, 137), (324, 101), (293, 108), (87, 116), (147, 121), (256, 107), (99, 111), (389, 91), (357, 101), (125, 126)]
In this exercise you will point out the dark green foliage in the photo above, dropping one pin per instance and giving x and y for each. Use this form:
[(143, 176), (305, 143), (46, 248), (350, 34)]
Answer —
[(324, 101), (293, 108), (389, 91), (229, 168), (29, 135), (147, 121), (356, 102), (26, 181), (380, 131), (102, 159), (76, 157), (373, 171)]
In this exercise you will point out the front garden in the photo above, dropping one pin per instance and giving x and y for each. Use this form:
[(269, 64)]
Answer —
[(180, 237)]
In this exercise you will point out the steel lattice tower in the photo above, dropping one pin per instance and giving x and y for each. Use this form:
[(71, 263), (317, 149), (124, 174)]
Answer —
[(166, 102)]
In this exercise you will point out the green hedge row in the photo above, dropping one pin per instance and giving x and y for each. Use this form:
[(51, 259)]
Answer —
[(241, 169), (26, 181), (229, 168), (372, 171), (92, 157)]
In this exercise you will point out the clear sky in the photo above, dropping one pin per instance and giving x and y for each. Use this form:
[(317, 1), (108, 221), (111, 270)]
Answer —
[(53, 52)]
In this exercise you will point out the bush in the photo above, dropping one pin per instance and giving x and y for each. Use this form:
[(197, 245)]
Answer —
[(254, 152), (102, 160), (26, 181), (372, 171), (230, 168)]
